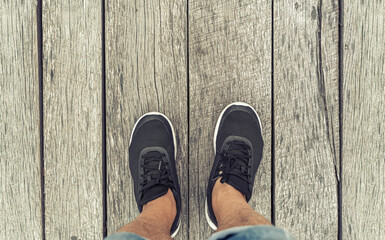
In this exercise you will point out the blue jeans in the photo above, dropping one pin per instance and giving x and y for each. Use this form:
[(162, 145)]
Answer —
[(260, 232)]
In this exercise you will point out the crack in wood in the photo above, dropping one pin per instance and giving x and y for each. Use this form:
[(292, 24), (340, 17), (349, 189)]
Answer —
[(322, 90)]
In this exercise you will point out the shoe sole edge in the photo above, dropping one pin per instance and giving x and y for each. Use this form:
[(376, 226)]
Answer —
[(177, 229), (211, 224)]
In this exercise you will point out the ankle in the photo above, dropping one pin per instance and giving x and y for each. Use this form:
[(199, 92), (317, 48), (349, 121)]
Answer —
[(223, 192), (163, 207), (225, 197)]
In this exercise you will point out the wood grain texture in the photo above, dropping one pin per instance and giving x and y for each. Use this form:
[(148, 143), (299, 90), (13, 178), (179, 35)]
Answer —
[(146, 70), (363, 181), (20, 192), (72, 119), (306, 117), (230, 60)]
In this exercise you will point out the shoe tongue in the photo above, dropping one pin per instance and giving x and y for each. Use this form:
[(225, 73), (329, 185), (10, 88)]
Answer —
[(153, 192), (236, 181), (239, 184)]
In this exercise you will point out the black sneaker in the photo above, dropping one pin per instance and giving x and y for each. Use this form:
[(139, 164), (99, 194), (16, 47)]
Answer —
[(238, 145), (152, 155)]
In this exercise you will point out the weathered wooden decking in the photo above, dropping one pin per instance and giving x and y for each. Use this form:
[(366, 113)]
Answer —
[(76, 75)]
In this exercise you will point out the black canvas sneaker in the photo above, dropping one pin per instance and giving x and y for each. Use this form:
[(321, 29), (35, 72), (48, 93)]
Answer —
[(152, 156), (238, 145)]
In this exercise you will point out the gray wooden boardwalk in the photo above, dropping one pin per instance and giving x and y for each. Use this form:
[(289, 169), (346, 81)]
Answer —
[(76, 75)]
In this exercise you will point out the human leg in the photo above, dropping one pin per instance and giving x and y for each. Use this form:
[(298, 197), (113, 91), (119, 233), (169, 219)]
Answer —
[(231, 209), (152, 155), (156, 219)]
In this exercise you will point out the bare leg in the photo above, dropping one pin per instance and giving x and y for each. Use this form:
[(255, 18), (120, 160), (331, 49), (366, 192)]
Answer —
[(156, 219), (231, 209)]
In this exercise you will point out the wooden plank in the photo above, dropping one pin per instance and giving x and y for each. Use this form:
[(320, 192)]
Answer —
[(230, 60), (306, 117), (146, 70), (20, 197), (363, 181), (72, 119)]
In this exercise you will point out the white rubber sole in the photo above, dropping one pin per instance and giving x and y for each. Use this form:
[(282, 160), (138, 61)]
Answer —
[(177, 229), (175, 149), (211, 224)]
